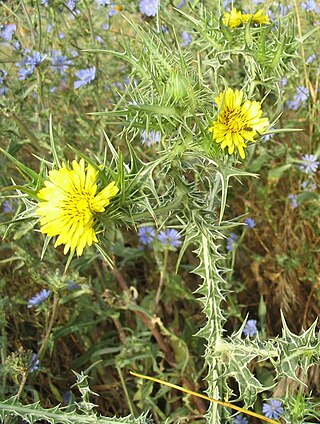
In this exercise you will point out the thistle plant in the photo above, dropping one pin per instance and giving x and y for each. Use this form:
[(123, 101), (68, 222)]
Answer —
[(199, 119)]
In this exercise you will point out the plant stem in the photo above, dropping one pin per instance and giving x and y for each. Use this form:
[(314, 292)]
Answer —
[(43, 344), (162, 277)]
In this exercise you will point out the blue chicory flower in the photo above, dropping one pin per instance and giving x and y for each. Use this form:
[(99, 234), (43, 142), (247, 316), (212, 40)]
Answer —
[(146, 235), (72, 4), (302, 94), (309, 185), (85, 77), (311, 58), (34, 363), (250, 328), (186, 39), (250, 222), (293, 200), (59, 62), (310, 6), (181, 4), (37, 299), (170, 237), (240, 419), (150, 138), (3, 88), (113, 10), (7, 206), (103, 2), (309, 164), (71, 285), (7, 31), (31, 61), (67, 396), (272, 408), (149, 7), (267, 137), (232, 242)]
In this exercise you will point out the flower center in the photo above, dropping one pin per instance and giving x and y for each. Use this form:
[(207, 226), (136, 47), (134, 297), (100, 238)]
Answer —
[(233, 119), (78, 206), (83, 205)]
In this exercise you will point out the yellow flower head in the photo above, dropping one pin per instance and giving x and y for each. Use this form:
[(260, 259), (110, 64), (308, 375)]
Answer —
[(237, 121), (258, 18), (70, 202), (236, 18), (232, 19)]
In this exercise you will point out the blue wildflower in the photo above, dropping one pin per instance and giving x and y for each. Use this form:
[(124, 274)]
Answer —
[(7, 31), (272, 409), (311, 58), (150, 138), (250, 328), (302, 94), (310, 6), (72, 4), (37, 299), (293, 200), (3, 88), (118, 85), (113, 10), (186, 39), (32, 61), (309, 164), (24, 73), (34, 363), (267, 137), (60, 62), (240, 419), (103, 2), (71, 285), (250, 222), (170, 237), (283, 82), (67, 396), (232, 242), (45, 2), (308, 185), (149, 7), (85, 77), (146, 235), (226, 4), (7, 206), (3, 74), (181, 4), (16, 45)]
